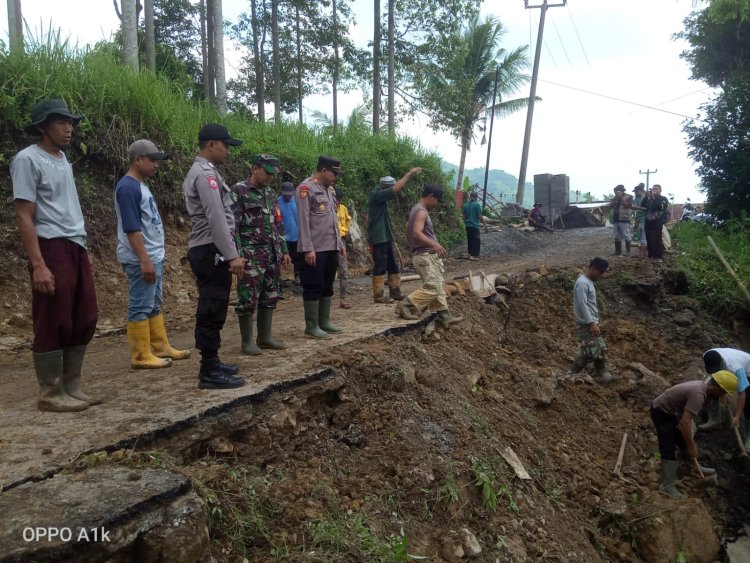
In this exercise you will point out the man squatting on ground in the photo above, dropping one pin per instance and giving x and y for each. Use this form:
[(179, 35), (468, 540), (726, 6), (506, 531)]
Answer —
[(427, 255), (738, 363), (260, 238), (672, 413), (319, 246), (621, 206), (140, 251), (50, 224), (212, 252), (380, 237), (586, 313)]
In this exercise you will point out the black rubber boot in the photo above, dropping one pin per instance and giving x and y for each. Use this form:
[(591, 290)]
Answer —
[(618, 248), (213, 377)]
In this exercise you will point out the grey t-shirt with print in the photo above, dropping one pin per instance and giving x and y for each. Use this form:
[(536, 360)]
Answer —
[(48, 182)]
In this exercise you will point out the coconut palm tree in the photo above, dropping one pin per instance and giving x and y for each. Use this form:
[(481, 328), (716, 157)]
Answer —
[(459, 83)]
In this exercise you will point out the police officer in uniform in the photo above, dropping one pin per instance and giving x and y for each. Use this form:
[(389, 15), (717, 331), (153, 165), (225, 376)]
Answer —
[(212, 252), (319, 246)]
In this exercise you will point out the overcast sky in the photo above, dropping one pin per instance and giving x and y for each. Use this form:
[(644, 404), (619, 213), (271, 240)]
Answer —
[(625, 51)]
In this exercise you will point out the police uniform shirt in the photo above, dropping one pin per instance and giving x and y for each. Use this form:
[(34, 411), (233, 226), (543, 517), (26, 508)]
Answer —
[(208, 202), (317, 217)]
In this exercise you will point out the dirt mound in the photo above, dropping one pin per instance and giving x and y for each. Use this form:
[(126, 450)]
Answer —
[(507, 242)]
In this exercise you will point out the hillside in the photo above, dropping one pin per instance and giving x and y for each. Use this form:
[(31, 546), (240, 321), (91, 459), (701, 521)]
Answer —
[(499, 182)]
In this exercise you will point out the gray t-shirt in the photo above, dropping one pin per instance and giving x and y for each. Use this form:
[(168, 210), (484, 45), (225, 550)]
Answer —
[(584, 301), (689, 396), (48, 182)]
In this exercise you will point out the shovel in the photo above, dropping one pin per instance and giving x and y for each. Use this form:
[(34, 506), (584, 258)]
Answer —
[(710, 481), (740, 443)]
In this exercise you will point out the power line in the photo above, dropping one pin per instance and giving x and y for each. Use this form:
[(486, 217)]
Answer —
[(684, 96), (562, 43), (575, 27), (549, 51), (620, 100)]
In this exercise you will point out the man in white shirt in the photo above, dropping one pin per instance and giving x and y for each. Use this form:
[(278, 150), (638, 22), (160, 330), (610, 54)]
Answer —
[(738, 363)]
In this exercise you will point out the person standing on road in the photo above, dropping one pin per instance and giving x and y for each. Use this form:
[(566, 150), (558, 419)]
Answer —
[(53, 235), (380, 237), (427, 254), (319, 246), (621, 206), (641, 201), (586, 313), (140, 251), (472, 214), (345, 221), (261, 242), (212, 252), (288, 209), (672, 413), (738, 363), (657, 213)]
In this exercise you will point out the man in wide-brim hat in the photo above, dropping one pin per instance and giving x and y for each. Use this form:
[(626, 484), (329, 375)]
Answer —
[(50, 223)]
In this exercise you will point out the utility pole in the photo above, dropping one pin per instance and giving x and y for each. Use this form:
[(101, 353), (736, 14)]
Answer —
[(648, 176), (532, 96), (489, 142)]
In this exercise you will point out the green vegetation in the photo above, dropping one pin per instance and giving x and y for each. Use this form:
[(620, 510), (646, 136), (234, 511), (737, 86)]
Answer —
[(120, 106), (709, 282)]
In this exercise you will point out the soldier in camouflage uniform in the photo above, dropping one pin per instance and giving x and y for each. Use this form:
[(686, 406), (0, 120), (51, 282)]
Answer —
[(260, 238)]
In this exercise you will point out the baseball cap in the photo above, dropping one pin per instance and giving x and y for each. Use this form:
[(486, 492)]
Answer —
[(600, 264), (268, 162), (387, 181), (620, 188), (216, 132), (144, 147), (287, 188)]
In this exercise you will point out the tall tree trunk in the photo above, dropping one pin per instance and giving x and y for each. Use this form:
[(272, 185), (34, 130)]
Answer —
[(207, 73), (465, 138), (148, 14), (221, 84), (376, 70), (260, 89), (391, 66), (299, 62), (276, 61), (335, 66), (211, 50), (15, 25), (130, 33)]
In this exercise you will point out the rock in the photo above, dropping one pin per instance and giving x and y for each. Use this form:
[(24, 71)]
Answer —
[(532, 277), (513, 548), (738, 551), (686, 530), (681, 319), (117, 455), (646, 388), (451, 550), (545, 392), (470, 543), (542, 270), (501, 279), (12, 343)]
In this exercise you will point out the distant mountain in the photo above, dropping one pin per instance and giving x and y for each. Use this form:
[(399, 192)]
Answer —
[(498, 182)]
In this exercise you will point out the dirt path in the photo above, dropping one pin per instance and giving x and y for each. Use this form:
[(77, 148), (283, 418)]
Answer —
[(137, 403)]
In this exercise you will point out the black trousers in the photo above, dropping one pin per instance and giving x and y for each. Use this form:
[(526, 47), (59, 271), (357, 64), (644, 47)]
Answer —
[(214, 283), (317, 281), (292, 247), (654, 240), (668, 434), (383, 259), (474, 241)]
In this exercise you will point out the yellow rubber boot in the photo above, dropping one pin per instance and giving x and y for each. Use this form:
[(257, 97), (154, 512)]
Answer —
[(378, 290), (160, 342), (140, 347)]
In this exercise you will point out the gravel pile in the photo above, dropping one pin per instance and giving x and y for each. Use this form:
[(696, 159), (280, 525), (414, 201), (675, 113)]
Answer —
[(508, 242)]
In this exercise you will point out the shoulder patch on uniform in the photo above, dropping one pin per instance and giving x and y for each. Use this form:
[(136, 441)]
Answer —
[(213, 183), (304, 191)]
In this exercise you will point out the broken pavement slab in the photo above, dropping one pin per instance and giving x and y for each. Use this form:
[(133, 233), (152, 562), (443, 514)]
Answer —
[(49, 521)]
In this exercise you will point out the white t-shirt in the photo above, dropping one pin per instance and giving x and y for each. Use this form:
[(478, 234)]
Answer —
[(48, 182), (736, 360)]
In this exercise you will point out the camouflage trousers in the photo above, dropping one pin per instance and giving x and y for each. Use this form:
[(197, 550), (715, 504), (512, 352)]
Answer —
[(260, 283), (592, 347)]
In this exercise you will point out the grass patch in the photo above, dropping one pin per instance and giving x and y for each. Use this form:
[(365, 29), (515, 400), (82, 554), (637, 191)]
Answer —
[(710, 284)]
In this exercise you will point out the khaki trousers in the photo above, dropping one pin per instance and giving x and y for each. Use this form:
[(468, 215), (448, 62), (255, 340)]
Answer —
[(432, 293)]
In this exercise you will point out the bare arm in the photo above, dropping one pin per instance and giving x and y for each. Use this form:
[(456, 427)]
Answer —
[(148, 272), (421, 239), (42, 279), (741, 398), (402, 182), (686, 428)]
